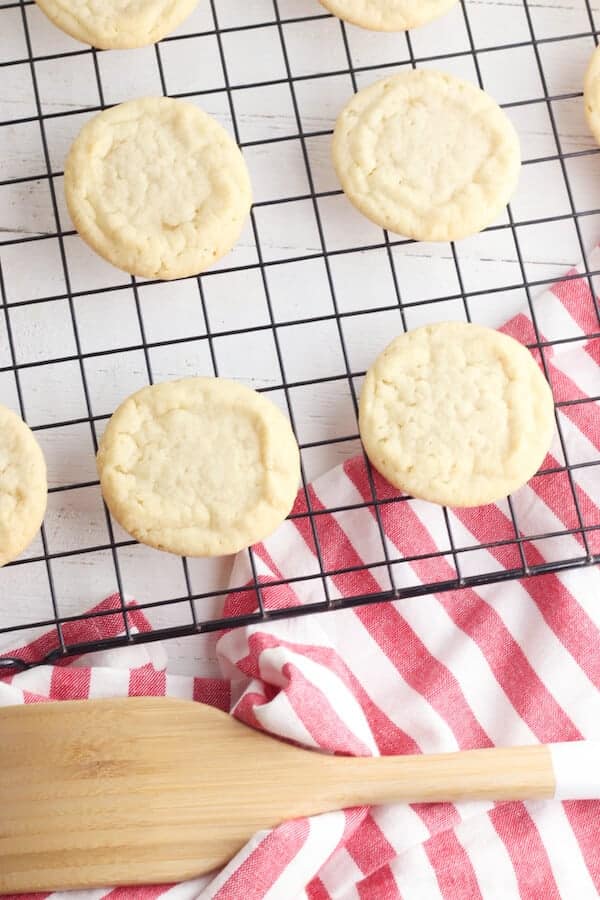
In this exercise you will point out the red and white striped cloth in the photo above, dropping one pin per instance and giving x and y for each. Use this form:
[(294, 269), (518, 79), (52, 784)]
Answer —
[(511, 663)]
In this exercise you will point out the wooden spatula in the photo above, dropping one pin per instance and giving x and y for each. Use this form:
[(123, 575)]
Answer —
[(152, 790)]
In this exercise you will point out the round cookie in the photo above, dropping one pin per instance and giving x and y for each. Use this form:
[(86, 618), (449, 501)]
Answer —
[(157, 187), (388, 15), (23, 486), (426, 155), (591, 94), (199, 467), (457, 414), (117, 24)]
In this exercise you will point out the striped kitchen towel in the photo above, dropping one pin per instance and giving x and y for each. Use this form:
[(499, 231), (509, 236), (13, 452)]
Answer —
[(497, 664)]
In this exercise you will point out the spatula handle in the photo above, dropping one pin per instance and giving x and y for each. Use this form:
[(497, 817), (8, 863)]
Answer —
[(569, 771)]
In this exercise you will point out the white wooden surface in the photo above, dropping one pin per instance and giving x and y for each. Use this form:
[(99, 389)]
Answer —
[(287, 231)]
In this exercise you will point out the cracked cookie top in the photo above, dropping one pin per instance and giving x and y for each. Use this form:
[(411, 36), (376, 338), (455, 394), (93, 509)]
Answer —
[(117, 24), (157, 187), (23, 486), (388, 15), (455, 413), (199, 467), (426, 155)]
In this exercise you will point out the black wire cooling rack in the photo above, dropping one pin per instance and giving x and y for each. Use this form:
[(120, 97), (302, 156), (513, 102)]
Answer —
[(35, 60)]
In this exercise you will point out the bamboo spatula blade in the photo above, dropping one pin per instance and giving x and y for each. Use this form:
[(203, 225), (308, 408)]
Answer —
[(133, 791), (150, 790)]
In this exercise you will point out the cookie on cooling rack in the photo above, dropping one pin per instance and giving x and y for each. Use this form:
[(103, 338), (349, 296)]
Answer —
[(199, 467), (113, 24), (388, 15), (426, 155), (591, 94), (456, 413), (23, 486), (157, 187)]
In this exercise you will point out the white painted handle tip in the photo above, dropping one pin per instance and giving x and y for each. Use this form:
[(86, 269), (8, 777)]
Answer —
[(576, 770)]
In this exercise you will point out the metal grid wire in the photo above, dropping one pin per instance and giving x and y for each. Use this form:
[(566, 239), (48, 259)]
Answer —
[(37, 571)]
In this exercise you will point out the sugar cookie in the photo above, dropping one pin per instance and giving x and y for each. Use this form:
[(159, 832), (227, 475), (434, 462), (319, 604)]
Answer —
[(426, 155), (199, 467), (388, 15), (117, 24), (23, 486), (157, 187), (591, 94), (457, 414)]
